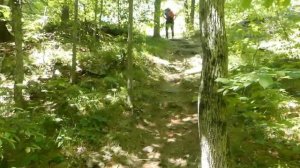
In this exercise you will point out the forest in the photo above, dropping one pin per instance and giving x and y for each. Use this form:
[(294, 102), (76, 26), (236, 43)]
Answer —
[(149, 83)]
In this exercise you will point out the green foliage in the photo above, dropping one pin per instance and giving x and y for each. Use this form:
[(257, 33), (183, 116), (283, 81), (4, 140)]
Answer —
[(4, 12), (246, 3), (154, 46), (261, 5), (268, 3), (265, 81), (265, 77), (24, 137), (60, 118), (254, 101), (279, 3)]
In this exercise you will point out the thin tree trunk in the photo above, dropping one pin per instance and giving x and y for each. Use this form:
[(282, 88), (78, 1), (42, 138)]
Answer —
[(119, 14), (96, 18), (192, 15), (157, 5), (186, 13), (212, 114), (130, 53), (101, 13), (75, 38), (19, 68)]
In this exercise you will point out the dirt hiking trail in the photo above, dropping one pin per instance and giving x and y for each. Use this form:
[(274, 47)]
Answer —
[(171, 117)]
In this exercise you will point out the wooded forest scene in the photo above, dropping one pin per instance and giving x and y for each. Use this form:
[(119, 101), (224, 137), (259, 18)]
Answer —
[(149, 83)]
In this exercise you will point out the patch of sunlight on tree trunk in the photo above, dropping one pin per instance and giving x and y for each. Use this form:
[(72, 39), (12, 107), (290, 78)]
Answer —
[(206, 155)]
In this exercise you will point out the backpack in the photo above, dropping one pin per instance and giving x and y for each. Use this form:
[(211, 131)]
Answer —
[(169, 14)]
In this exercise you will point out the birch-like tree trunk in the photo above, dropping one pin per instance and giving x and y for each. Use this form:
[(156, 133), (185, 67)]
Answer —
[(212, 107), (19, 67), (157, 13), (75, 39), (130, 53)]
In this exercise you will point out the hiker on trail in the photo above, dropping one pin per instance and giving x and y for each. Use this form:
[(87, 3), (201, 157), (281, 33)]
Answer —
[(170, 17)]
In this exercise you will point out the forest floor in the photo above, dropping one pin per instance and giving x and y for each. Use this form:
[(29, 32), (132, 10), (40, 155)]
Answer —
[(165, 133), (90, 125), (171, 119), (168, 120)]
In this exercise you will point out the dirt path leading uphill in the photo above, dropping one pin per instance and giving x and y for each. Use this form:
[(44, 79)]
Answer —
[(172, 118), (163, 133)]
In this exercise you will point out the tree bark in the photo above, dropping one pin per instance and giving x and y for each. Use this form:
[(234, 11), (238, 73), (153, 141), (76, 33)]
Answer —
[(212, 107), (96, 18), (119, 13), (19, 68), (186, 13), (130, 53), (101, 13), (192, 14), (157, 14), (75, 39)]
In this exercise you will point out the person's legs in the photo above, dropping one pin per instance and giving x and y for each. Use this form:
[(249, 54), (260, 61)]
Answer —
[(172, 28), (167, 28)]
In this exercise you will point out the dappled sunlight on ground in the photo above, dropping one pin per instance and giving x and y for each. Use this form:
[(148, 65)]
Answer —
[(280, 46), (89, 123), (48, 54), (291, 105), (291, 127), (180, 120), (185, 61), (8, 85), (178, 162), (165, 134), (108, 157)]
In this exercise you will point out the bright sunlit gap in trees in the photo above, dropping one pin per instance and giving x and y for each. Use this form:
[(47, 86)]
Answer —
[(177, 8), (179, 26)]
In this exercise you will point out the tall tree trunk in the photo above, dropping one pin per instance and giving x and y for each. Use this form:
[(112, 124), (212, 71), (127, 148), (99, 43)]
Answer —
[(212, 107), (186, 13), (19, 68), (119, 14), (96, 18), (192, 14), (130, 53), (101, 13), (75, 39), (157, 5)]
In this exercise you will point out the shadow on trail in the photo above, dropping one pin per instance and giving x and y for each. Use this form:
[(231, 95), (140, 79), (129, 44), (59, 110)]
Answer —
[(168, 112), (184, 49), (88, 124)]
